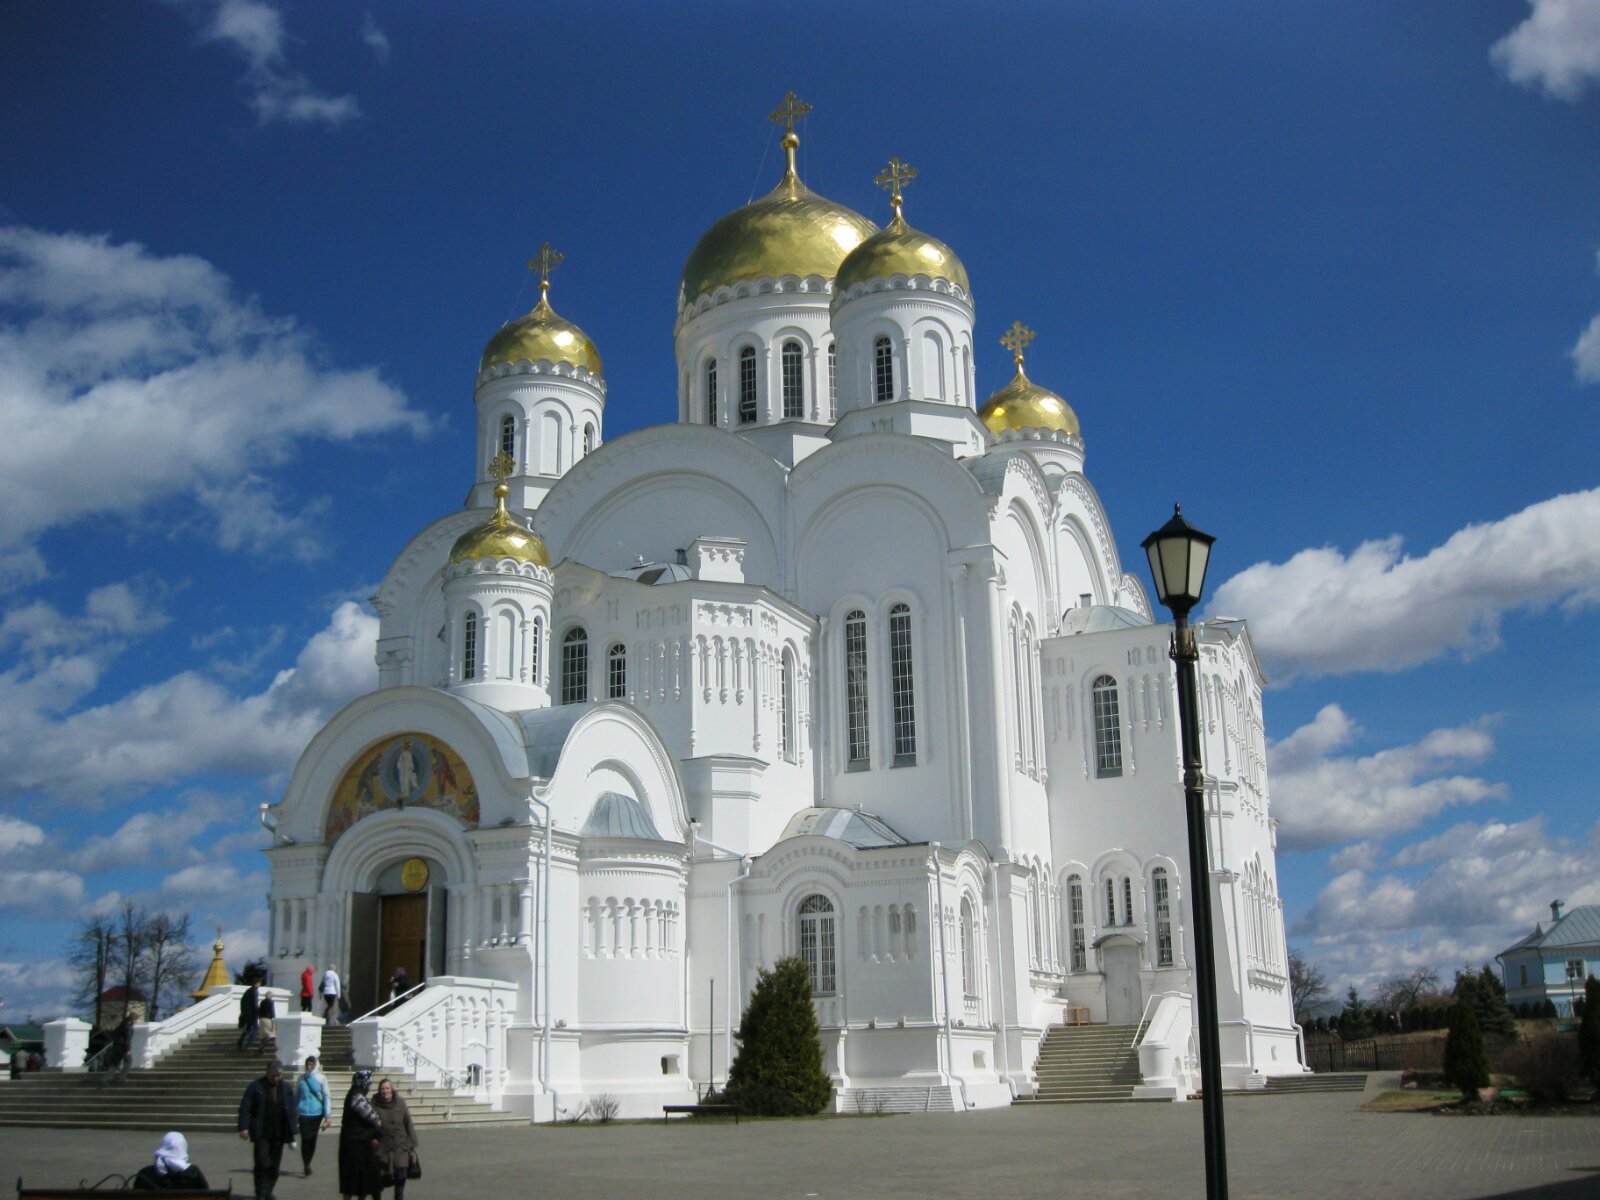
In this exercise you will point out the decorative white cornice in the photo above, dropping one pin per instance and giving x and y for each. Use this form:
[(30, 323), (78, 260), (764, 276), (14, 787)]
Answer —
[(503, 567), (905, 283), (1059, 436), (542, 367), (766, 285)]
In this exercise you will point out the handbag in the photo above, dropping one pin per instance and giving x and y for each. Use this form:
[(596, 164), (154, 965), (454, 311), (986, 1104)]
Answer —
[(414, 1168)]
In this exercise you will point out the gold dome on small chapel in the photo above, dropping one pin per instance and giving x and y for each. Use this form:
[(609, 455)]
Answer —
[(542, 334), (1022, 403), (502, 536), (899, 249)]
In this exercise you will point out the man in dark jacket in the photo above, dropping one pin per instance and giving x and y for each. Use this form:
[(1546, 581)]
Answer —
[(249, 1015), (266, 1118)]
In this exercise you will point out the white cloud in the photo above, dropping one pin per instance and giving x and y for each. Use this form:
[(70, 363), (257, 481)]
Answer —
[(111, 615), (1556, 49), (41, 989), (1475, 889), (1326, 613), (181, 725), (1357, 856), (145, 379), (17, 834), (1586, 353), (155, 837), (1321, 797), (212, 881), (255, 31), (39, 891), (376, 39)]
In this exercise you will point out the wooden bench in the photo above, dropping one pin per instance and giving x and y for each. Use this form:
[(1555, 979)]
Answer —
[(124, 1184), (701, 1110)]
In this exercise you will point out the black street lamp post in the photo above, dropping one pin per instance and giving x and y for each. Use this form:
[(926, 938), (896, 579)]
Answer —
[(1179, 554)]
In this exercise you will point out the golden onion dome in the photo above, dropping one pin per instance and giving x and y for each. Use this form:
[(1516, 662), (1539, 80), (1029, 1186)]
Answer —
[(542, 334), (899, 249), (501, 537), (789, 231), (1022, 403)]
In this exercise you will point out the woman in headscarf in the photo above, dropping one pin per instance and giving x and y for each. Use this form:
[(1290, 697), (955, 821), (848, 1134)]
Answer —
[(358, 1142), (398, 1144), (171, 1169)]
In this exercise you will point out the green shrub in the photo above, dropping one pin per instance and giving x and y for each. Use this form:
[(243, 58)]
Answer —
[(778, 1070), (1546, 1066), (1466, 1066), (1589, 1032)]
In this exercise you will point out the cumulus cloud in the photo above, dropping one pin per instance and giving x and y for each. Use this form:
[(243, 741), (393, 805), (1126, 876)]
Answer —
[(255, 30), (1586, 351), (1322, 796), (211, 882), (1457, 897), (17, 834), (1556, 48), (154, 837), (375, 39), (41, 989), (1324, 612), (40, 891), (184, 724)]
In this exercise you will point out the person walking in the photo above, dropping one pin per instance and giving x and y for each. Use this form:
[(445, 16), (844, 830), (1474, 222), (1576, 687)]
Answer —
[(266, 1020), (266, 1118), (399, 983), (311, 1109), (172, 1170), (330, 992), (249, 1014), (308, 981), (397, 1147), (359, 1134)]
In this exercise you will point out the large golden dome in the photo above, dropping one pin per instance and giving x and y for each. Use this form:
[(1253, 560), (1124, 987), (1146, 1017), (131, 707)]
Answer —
[(1022, 403), (901, 250), (501, 537), (542, 335), (789, 231)]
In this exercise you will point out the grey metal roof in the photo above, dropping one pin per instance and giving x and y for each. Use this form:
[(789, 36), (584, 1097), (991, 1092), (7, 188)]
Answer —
[(544, 732), (861, 830), (1579, 927), (619, 816), (1097, 618), (652, 573)]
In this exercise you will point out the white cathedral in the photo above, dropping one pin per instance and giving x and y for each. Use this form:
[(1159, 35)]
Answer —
[(843, 664)]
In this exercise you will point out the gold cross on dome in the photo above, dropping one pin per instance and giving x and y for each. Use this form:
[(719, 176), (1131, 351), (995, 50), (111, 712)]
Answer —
[(547, 260), (1016, 339), (790, 111), (894, 178), (501, 466)]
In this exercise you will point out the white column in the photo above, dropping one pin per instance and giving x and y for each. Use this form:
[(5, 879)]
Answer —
[(524, 911)]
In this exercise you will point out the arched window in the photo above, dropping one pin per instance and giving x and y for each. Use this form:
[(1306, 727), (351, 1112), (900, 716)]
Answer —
[(575, 666), (786, 730), (901, 690), (617, 672), (1163, 906), (1127, 900), (794, 380), (588, 439), (469, 646), (1111, 901), (969, 967), (817, 945), (1034, 946), (535, 649), (833, 377), (508, 436), (747, 385), (711, 391), (1078, 958), (882, 371), (1107, 729), (858, 743)]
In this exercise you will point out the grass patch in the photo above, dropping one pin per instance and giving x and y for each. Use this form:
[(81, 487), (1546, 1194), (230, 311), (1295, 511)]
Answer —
[(1410, 1100)]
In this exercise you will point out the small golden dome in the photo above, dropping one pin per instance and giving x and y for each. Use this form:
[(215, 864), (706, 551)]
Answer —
[(789, 231), (501, 537), (541, 335), (900, 249), (1022, 403)]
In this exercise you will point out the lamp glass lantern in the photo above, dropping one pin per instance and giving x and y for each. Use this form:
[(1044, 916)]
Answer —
[(1179, 554)]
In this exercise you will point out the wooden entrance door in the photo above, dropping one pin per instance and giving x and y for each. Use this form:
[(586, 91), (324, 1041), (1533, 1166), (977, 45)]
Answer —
[(402, 939)]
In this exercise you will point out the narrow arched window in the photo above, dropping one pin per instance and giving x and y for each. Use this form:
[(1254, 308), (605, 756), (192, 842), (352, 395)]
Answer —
[(535, 650), (469, 646), (794, 380), (857, 739), (817, 944), (711, 391), (1077, 956), (1019, 694), (588, 439), (617, 672), (1163, 905), (833, 378), (786, 697), (1111, 901), (508, 436), (882, 371), (1107, 729), (901, 690), (575, 666), (747, 385), (1035, 953), (1127, 900), (969, 966)]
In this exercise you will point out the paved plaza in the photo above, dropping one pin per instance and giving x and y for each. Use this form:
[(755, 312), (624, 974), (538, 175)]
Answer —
[(1290, 1146)]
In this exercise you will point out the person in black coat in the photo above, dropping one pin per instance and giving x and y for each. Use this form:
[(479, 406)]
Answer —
[(172, 1170), (359, 1131), (249, 1015), (266, 1118)]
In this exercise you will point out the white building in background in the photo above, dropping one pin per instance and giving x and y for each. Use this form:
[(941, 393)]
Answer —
[(843, 663)]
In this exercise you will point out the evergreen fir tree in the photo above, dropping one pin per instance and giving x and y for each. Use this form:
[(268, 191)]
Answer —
[(1466, 1066), (778, 1070), (1494, 1015), (1589, 1032), (1357, 1020)]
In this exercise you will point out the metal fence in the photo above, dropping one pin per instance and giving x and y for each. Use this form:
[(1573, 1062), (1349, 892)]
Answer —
[(1383, 1054)]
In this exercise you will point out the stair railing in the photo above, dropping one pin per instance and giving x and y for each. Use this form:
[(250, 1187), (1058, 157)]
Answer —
[(413, 1057), (391, 1003), (1144, 1017)]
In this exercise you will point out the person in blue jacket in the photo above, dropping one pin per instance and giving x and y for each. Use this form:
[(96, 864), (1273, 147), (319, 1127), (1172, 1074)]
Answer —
[(311, 1106), (266, 1118)]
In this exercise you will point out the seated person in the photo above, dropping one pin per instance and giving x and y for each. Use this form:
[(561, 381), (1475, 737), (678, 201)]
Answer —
[(171, 1170)]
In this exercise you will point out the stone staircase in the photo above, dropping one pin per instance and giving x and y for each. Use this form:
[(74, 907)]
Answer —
[(1341, 1081), (1086, 1064), (898, 1100), (197, 1087)]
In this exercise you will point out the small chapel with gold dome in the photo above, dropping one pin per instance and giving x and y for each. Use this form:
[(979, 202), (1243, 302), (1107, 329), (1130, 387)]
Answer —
[(841, 663)]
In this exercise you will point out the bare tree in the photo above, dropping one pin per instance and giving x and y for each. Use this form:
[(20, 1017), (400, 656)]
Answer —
[(1308, 986), (128, 947), (93, 958), (1404, 992), (170, 965)]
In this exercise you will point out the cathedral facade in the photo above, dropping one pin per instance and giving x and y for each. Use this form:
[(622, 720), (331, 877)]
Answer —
[(842, 663)]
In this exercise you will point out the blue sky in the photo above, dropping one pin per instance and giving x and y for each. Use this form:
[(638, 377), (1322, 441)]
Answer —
[(1325, 272)]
